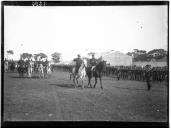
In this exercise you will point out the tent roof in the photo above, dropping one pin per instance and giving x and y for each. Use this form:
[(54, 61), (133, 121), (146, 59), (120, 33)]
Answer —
[(103, 54)]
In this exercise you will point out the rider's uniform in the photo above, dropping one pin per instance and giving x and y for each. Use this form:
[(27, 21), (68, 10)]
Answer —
[(148, 76), (93, 63), (78, 64)]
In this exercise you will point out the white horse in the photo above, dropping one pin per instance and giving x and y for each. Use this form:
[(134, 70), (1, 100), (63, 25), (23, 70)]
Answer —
[(81, 73)]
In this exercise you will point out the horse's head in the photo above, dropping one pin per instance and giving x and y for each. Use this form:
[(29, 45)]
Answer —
[(85, 62), (101, 66)]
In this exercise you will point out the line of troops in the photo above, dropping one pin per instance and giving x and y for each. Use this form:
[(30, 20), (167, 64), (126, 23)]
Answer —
[(127, 72), (138, 73), (120, 72)]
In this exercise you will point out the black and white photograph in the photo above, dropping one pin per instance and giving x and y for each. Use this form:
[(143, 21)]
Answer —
[(92, 62)]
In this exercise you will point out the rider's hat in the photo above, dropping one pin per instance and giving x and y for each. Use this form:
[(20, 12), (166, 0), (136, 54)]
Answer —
[(78, 55)]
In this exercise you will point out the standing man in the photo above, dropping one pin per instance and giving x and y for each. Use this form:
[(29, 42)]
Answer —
[(78, 61), (148, 76)]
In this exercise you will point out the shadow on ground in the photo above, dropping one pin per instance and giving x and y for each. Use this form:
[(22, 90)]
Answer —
[(25, 77), (68, 85), (139, 89)]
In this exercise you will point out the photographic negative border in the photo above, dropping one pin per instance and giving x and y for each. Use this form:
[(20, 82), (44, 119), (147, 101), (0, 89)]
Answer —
[(76, 123)]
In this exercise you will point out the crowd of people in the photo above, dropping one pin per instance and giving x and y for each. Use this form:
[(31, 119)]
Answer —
[(120, 72), (26, 66), (137, 73), (10, 65)]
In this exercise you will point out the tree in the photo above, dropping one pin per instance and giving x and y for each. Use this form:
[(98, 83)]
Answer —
[(9, 52), (40, 56), (56, 57), (26, 56), (130, 53), (139, 55), (36, 57), (157, 54), (142, 55)]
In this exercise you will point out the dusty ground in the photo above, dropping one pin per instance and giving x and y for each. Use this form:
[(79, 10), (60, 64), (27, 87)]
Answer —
[(55, 99)]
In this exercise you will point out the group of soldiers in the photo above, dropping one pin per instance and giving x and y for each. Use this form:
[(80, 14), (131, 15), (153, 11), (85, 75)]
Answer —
[(10, 65), (146, 73), (137, 73), (22, 65)]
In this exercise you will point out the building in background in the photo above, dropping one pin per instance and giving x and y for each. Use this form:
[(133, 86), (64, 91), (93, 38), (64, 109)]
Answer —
[(115, 58)]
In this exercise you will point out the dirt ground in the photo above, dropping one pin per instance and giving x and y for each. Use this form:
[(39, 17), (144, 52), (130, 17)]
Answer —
[(56, 99)]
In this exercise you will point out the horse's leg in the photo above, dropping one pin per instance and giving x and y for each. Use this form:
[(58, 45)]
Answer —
[(95, 82), (100, 78), (89, 81), (77, 81), (22, 73), (74, 80), (82, 83), (83, 78), (39, 74), (29, 73)]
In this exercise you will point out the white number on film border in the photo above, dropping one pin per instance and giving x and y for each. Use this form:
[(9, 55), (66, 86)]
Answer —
[(39, 3)]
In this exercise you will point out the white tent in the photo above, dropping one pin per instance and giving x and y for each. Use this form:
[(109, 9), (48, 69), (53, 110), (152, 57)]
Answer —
[(115, 58)]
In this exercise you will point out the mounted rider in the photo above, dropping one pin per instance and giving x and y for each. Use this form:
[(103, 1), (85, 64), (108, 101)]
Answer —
[(46, 63), (78, 61), (93, 62)]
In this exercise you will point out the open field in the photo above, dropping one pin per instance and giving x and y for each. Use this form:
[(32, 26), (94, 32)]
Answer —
[(56, 99)]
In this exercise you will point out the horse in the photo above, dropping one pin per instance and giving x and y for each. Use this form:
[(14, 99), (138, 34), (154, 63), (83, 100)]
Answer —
[(97, 73), (81, 73)]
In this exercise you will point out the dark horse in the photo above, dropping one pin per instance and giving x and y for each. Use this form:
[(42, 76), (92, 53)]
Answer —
[(97, 73)]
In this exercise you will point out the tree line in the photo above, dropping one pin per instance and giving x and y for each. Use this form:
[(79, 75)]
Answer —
[(56, 56), (138, 55), (142, 55)]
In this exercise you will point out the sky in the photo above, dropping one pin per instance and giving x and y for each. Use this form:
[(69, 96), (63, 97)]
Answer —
[(81, 29)]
